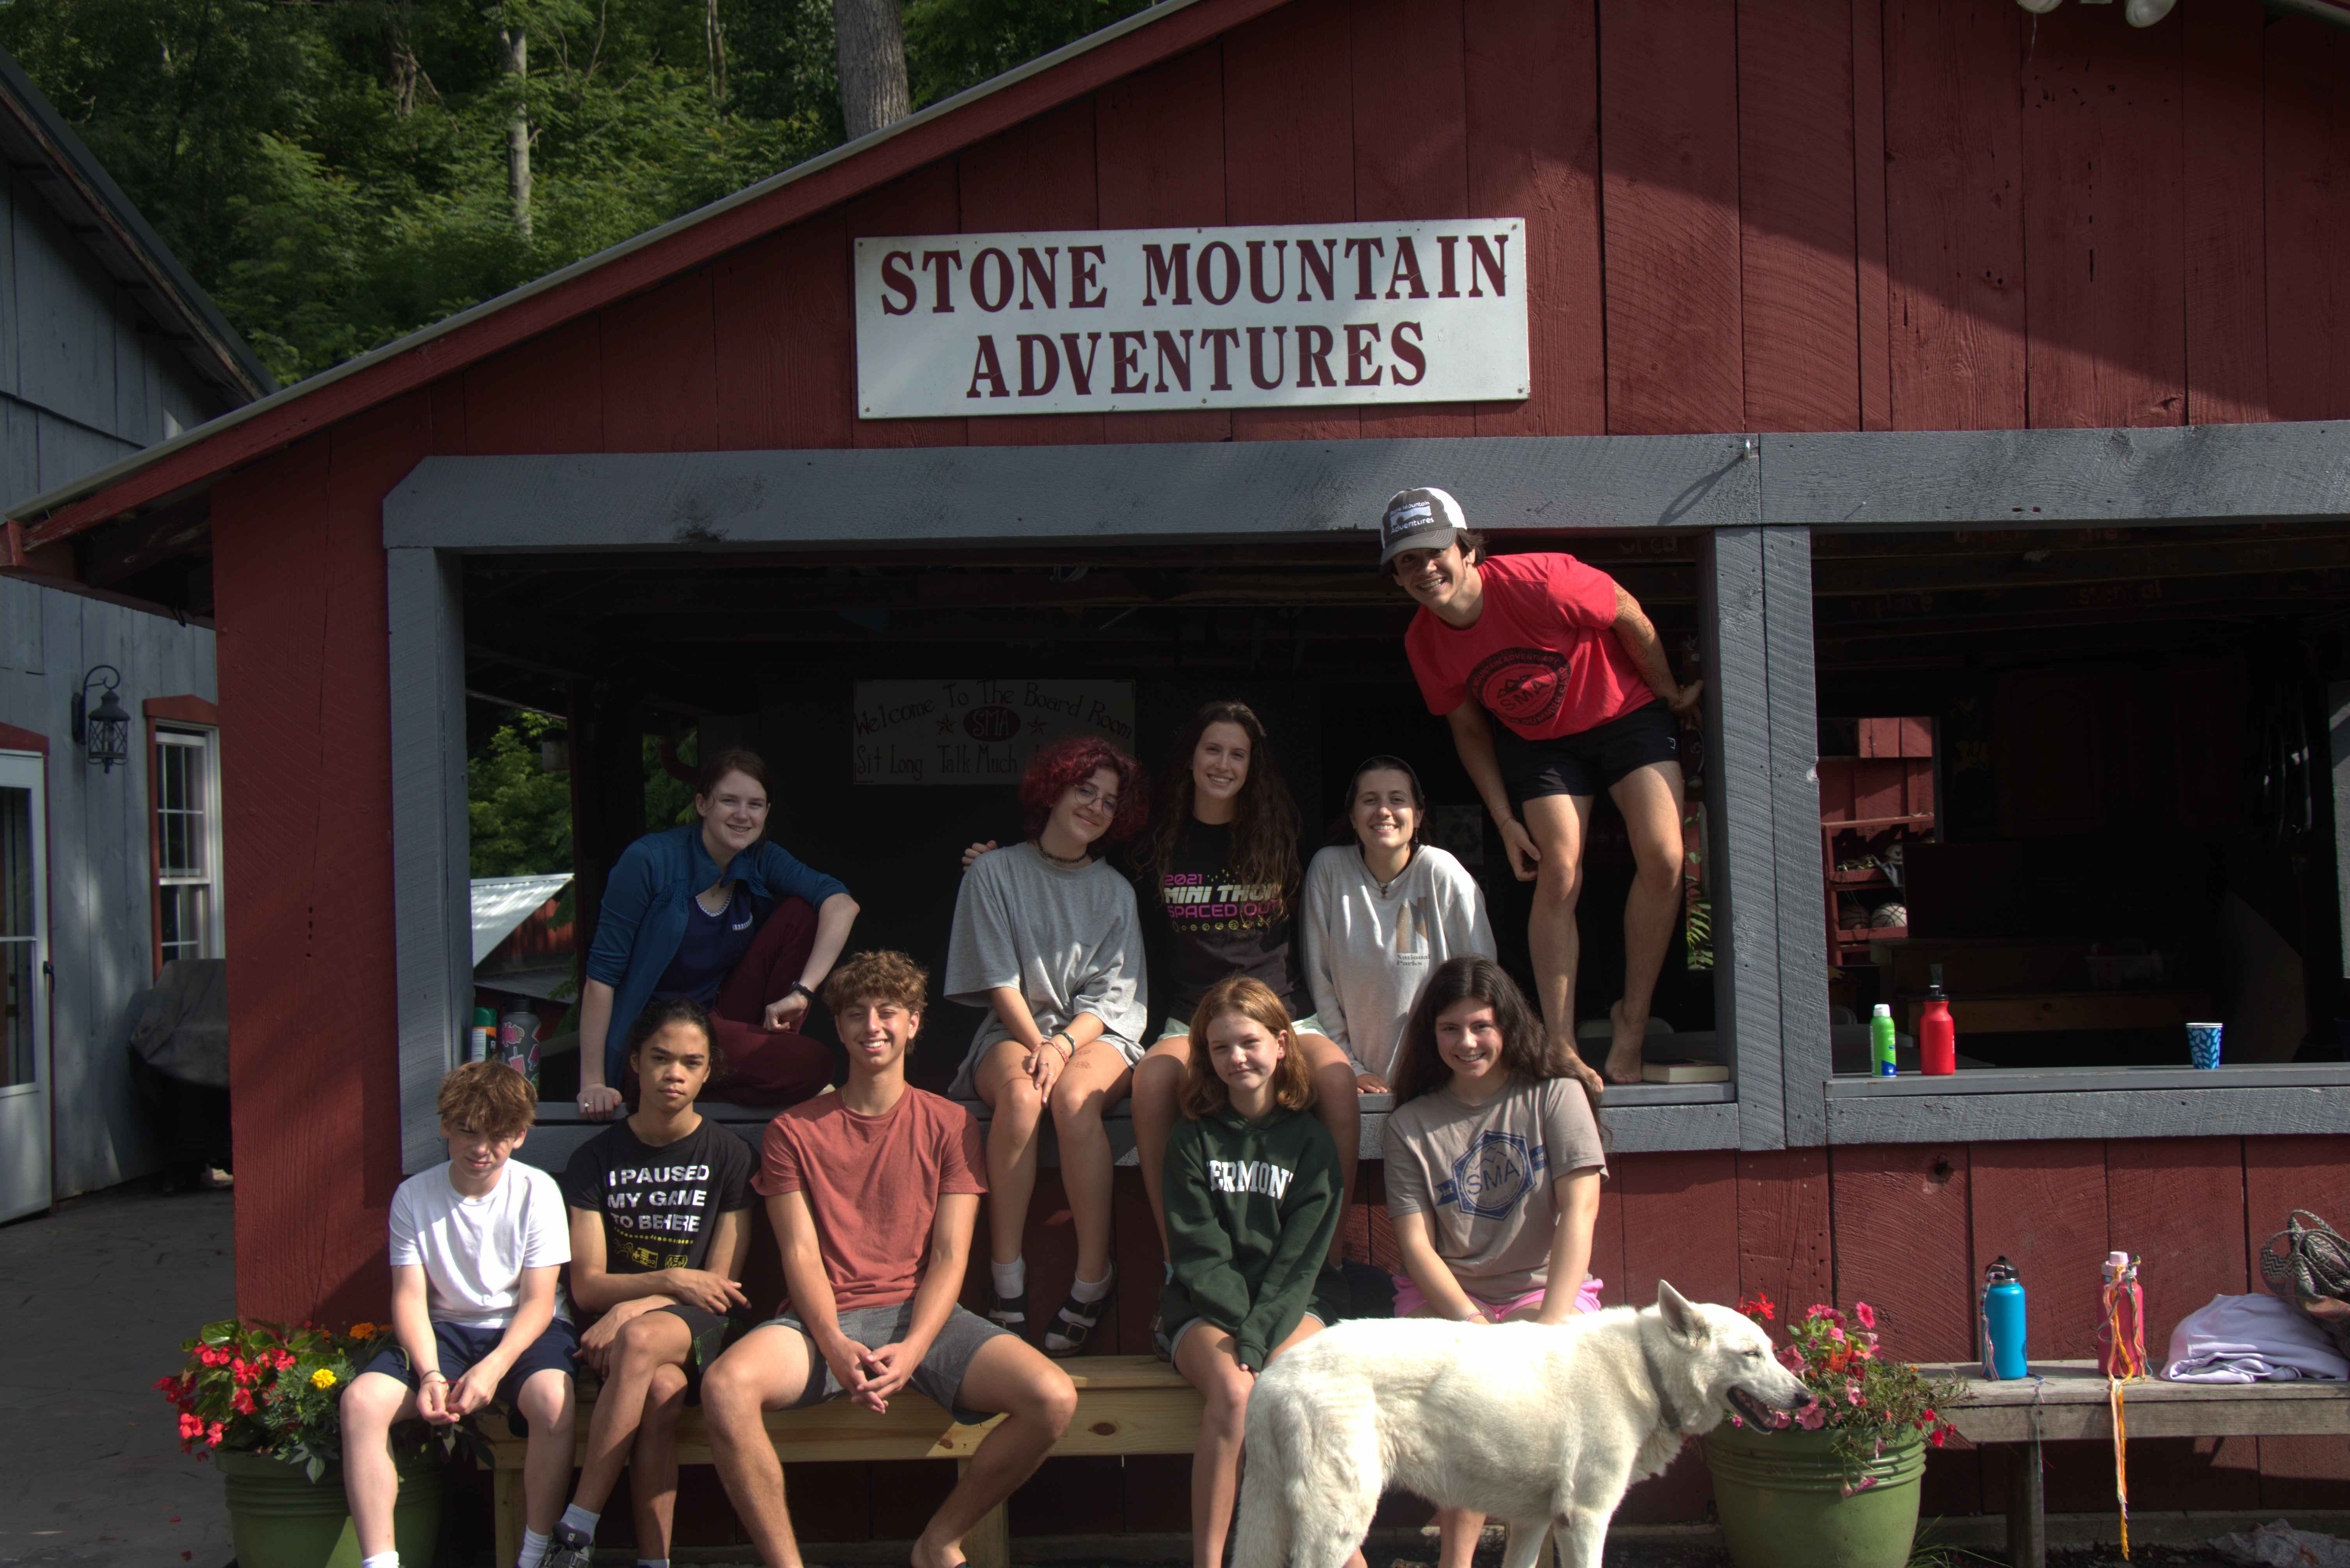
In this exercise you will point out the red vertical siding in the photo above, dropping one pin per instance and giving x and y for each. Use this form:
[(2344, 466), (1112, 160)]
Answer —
[(661, 372), (2103, 225), (2179, 1204), (1954, 214), (1669, 161), (2281, 1174), (1532, 72), (1410, 162), (1681, 1223), (1040, 175), (2307, 96), (923, 203), (1289, 157), (306, 775), (545, 395), (1796, 215), (1158, 140), (1785, 1250), (1874, 304), (2225, 248)]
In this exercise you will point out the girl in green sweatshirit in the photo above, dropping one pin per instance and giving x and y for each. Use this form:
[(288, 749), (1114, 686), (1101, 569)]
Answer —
[(1254, 1201)]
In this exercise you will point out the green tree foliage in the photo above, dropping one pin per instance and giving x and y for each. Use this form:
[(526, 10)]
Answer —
[(334, 173), (518, 815)]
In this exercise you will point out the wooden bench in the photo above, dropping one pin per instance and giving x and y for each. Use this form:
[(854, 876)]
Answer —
[(1126, 1405), (2066, 1401)]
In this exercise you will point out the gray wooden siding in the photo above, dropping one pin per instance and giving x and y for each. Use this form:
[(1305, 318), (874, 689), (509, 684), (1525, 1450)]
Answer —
[(101, 923), (85, 379)]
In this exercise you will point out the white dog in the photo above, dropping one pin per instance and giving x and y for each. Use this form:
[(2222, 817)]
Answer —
[(1542, 1427)]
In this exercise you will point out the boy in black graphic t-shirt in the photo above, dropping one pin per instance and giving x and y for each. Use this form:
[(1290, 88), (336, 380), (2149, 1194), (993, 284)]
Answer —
[(660, 1227)]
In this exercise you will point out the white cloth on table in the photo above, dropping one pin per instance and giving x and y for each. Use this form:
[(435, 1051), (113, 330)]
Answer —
[(2250, 1339)]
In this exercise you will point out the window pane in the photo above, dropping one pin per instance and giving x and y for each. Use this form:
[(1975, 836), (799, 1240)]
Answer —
[(16, 863), (16, 1003)]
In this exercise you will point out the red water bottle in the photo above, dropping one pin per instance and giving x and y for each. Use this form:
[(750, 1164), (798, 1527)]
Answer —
[(1938, 1037)]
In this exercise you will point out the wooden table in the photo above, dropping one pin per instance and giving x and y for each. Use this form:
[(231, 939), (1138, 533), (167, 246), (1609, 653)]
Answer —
[(2066, 1401)]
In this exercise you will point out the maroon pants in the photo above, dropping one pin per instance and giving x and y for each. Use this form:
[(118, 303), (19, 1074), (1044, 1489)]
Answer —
[(760, 1066)]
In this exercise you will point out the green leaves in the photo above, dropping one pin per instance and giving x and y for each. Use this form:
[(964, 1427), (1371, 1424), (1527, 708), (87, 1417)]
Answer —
[(335, 176)]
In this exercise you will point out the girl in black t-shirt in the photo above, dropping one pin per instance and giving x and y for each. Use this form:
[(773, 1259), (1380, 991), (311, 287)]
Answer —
[(1218, 873)]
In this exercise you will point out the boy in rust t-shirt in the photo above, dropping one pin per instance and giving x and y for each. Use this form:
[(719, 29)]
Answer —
[(873, 1193)]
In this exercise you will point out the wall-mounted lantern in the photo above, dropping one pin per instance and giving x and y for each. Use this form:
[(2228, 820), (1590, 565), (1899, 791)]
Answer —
[(103, 731)]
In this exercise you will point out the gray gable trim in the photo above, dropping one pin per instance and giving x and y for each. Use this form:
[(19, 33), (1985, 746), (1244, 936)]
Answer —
[(45, 150)]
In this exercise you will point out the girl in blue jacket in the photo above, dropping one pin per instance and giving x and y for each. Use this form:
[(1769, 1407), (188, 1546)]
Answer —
[(714, 912)]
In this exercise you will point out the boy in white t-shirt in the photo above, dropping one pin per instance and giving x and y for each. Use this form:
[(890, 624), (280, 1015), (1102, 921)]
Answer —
[(475, 1248)]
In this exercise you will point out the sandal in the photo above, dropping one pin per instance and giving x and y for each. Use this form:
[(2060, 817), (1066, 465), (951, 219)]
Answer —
[(1161, 1345), (1077, 1320), (1009, 1313)]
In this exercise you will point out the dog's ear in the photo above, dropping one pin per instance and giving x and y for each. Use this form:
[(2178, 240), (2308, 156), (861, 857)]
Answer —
[(1679, 1317)]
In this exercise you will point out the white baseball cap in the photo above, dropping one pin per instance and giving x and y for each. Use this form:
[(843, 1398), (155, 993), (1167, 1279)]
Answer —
[(1423, 518)]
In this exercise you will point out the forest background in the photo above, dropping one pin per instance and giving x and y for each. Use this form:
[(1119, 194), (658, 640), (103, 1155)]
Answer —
[(338, 173)]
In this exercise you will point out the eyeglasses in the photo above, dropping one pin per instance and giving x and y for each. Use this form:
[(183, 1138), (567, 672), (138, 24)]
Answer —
[(1088, 794)]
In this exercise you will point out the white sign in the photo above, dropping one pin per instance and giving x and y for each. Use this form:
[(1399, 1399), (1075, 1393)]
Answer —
[(978, 732), (1125, 319)]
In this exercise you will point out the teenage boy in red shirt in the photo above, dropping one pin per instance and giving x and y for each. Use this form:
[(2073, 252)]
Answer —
[(1572, 668), (873, 1193)]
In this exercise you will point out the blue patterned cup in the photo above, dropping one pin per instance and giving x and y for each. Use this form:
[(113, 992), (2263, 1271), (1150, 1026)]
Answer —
[(2203, 1043)]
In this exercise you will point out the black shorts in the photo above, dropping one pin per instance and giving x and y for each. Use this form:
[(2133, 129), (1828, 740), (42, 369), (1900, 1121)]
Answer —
[(1590, 762), (711, 1334), (460, 1345)]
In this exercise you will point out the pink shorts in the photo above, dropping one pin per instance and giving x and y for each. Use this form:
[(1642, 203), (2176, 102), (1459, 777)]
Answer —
[(1410, 1302)]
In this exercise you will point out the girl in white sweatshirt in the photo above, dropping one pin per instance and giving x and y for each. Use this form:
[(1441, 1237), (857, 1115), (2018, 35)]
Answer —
[(1381, 910)]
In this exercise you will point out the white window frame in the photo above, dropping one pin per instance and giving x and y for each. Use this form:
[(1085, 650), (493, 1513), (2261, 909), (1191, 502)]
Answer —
[(203, 741)]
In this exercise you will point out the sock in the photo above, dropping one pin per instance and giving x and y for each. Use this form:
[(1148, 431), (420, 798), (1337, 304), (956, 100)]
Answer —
[(533, 1549), (381, 1560), (1011, 1278), (1170, 1273), (577, 1518), (1092, 1290)]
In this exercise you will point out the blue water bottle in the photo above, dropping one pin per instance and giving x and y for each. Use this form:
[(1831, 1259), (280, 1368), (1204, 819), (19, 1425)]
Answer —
[(2004, 1352)]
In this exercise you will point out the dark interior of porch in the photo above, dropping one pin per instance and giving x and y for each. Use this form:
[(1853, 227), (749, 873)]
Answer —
[(764, 651), (2108, 810)]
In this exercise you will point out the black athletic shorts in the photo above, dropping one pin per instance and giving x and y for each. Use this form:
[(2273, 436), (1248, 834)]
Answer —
[(711, 1334), (1590, 762)]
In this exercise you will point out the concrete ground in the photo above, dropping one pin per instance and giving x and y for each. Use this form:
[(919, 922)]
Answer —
[(104, 1291)]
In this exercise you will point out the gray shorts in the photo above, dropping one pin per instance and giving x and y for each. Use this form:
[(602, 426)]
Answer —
[(941, 1371), (1175, 1340)]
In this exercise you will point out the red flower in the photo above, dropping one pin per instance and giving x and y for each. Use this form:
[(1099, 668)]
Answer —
[(1930, 1415), (1937, 1439), (1865, 1314), (212, 1435), (242, 1402), (1760, 1307)]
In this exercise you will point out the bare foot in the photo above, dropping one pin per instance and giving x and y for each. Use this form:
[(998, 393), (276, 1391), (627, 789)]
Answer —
[(1624, 1057), (1581, 1070)]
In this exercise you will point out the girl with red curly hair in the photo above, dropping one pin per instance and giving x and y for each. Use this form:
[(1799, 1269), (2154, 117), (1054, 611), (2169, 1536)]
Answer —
[(1048, 939)]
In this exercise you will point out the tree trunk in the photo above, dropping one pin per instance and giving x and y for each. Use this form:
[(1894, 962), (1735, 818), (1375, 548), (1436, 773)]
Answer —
[(400, 67), (516, 45), (872, 53), (714, 34)]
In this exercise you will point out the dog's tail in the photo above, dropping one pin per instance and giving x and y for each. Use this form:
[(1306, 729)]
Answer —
[(1279, 1433)]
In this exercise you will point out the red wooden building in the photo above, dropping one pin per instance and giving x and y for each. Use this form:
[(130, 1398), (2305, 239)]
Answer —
[(1907, 357)]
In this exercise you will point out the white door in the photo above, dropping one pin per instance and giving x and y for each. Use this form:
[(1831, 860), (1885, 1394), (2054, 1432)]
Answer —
[(24, 988)]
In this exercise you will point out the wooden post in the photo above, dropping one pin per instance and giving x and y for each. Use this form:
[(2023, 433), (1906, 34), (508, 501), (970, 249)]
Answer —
[(989, 1543), (509, 1509), (2027, 1520)]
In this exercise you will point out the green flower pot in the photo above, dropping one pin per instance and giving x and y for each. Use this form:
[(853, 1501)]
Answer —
[(1781, 1499), (280, 1518)]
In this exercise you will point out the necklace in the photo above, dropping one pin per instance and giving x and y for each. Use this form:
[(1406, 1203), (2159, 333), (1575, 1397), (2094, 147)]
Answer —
[(725, 897), (1080, 858), (1388, 885)]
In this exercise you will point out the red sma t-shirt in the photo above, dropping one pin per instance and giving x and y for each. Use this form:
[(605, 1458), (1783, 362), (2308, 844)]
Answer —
[(1543, 657)]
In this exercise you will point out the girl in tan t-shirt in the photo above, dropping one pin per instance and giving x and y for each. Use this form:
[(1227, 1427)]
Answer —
[(1494, 1160)]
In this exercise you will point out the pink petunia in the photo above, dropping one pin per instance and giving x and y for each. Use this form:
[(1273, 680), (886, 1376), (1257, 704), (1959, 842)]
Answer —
[(1865, 1314), (1812, 1417), (1852, 1394)]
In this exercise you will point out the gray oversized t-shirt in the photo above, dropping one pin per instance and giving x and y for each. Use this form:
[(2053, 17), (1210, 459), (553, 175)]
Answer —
[(1483, 1176), (1068, 939)]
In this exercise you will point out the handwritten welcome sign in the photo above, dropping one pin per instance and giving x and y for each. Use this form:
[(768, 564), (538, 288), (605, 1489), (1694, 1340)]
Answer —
[(977, 731), (1119, 319)]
